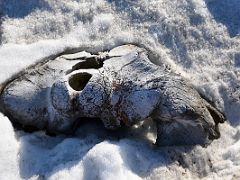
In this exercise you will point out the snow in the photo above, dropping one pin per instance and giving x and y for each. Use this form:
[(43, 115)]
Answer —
[(8, 151), (15, 58), (198, 39)]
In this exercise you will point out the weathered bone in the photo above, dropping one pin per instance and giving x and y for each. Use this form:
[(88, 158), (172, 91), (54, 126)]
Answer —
[(121, 87)]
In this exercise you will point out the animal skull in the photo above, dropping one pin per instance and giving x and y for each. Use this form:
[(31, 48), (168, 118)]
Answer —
[(121, 87)]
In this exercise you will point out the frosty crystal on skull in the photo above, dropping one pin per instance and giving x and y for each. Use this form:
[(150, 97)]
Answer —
[(121, 87)]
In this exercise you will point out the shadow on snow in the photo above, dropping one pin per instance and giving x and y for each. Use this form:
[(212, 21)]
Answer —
[(226, 12), (20, 9)]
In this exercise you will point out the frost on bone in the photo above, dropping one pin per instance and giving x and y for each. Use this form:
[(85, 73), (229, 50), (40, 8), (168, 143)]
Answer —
[(120, 87)]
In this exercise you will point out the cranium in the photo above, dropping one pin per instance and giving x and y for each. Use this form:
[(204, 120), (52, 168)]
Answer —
[(120, 87)]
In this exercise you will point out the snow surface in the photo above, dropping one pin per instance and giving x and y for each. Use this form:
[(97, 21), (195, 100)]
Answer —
[(199, 39)]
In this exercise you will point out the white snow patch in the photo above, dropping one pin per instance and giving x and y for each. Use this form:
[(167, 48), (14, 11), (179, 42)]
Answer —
[(9, 167)]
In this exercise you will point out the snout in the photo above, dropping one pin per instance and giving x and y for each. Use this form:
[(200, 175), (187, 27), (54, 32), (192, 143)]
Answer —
[(186, 118)]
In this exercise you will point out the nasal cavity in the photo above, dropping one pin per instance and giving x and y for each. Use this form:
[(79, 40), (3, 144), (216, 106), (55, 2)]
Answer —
[(79, 81)]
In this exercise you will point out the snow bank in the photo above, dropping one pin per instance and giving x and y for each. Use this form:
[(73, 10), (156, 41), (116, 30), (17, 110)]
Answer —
[(199, 39), (9, 166)]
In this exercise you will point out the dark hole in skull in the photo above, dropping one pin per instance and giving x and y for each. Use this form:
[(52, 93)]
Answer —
[(79, 81), (92, 62)]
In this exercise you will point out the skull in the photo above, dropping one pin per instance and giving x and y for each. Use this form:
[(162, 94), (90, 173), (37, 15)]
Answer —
[(120, 87)]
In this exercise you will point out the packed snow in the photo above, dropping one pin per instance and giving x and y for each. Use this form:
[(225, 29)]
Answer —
[(199, 39)]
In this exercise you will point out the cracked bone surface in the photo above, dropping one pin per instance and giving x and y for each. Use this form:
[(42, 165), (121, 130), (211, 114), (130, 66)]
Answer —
[(120, 87)]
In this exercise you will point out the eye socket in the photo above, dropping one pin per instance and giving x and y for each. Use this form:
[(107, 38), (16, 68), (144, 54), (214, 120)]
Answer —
[(79, 81)]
